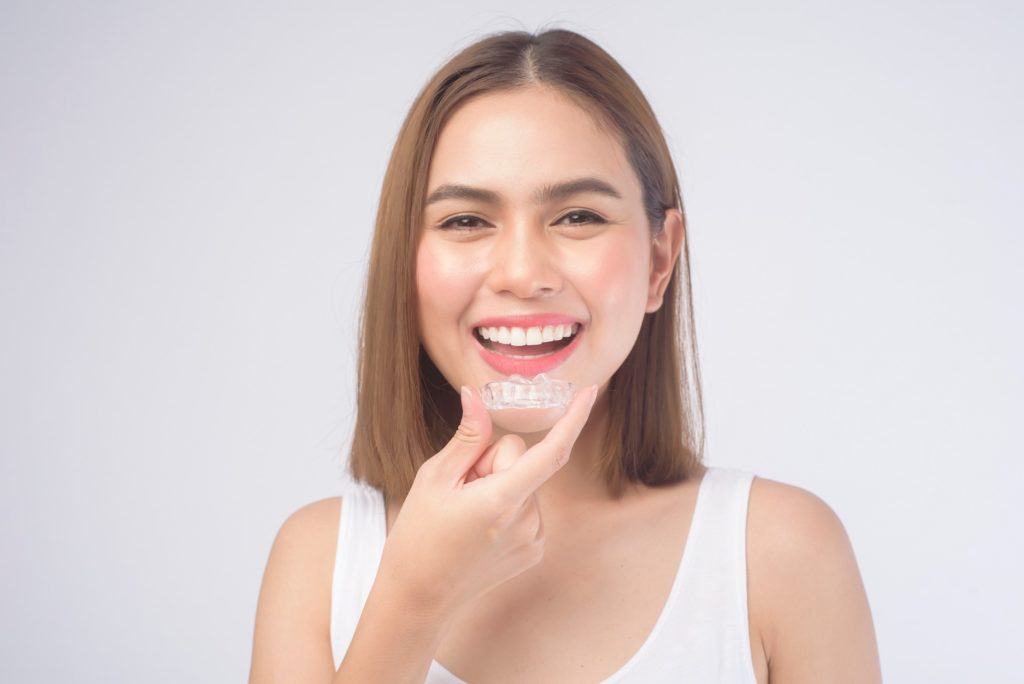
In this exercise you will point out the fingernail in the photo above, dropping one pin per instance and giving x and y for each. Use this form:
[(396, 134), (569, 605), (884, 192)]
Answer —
[(466, 396)]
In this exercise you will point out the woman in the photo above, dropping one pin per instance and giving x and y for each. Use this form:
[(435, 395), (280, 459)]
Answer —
[(531, 188)]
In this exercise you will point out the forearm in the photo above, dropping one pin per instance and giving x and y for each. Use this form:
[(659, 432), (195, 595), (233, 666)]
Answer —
[(394, 641)]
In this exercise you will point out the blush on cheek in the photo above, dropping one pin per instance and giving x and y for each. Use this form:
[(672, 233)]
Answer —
[(445, 284), (439, 267), (622, 271), (424, 267)]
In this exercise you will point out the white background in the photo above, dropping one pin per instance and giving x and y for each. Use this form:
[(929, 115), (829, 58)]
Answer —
[(187, 192)]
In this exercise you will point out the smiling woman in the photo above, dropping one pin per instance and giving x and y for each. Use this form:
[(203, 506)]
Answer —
[(534, 256), (530, 222)]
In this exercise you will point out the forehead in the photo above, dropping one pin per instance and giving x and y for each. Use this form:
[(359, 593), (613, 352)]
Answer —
[(517, 140)]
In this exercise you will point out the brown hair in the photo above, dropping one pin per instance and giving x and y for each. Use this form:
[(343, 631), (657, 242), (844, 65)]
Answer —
[(406, 410)]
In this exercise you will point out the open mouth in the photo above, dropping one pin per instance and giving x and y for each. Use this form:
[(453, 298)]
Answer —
[(527, 343)]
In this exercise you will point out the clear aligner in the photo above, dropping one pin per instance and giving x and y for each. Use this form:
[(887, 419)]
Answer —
[(518, 392)]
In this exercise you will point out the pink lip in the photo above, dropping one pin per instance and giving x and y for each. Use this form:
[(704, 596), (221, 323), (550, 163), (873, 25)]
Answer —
[(509, 365)]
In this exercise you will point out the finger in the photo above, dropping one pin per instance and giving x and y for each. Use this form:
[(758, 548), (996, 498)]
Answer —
[(498, 456), (484, 465), (510, 449), (470, 439), (545, 458)]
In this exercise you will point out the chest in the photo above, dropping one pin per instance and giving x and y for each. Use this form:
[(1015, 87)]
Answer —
[(585, 610)]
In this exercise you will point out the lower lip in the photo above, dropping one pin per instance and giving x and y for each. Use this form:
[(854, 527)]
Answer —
[(511, 365)]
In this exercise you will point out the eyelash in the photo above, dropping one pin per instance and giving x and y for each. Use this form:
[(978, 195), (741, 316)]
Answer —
[(449, 224)]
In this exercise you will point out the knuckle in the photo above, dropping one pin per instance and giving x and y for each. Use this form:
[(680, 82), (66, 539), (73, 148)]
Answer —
[(493, 534), (512, 441), (469, 434)]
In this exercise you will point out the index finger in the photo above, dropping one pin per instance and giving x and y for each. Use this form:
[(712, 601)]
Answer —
[(544, 459)]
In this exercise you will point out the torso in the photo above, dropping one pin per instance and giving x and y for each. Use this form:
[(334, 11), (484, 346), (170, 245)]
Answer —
[(582, 612)]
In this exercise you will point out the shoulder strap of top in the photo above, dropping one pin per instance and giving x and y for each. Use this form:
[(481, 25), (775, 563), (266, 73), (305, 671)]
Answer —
[(715, 588), (718, 554), (361, 534), (702, 634)]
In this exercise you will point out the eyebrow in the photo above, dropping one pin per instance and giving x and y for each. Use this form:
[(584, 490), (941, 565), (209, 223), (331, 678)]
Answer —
[(546, 193)]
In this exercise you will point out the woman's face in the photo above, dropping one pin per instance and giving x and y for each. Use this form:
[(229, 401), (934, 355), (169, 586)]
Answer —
[(534, 228)]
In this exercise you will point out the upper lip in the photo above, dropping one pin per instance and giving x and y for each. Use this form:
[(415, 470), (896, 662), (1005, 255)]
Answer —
[(525, 321)]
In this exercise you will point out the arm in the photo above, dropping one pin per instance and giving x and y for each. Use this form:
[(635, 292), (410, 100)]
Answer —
[(478, 533), (291, 642), (393, 642), (806, 597)]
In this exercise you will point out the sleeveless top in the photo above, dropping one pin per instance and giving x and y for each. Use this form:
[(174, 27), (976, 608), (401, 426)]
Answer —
[(702, 634)]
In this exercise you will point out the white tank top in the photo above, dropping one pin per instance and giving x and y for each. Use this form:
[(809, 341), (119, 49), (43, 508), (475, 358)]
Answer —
[(702, 634)]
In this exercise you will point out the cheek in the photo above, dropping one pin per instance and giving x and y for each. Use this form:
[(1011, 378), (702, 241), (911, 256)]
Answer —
[(616, 277), (442, 278)]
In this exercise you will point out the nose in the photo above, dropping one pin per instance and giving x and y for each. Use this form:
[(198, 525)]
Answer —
[(523, 263)]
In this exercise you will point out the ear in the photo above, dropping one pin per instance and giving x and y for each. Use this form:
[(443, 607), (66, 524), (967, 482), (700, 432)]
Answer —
[(664, 252)]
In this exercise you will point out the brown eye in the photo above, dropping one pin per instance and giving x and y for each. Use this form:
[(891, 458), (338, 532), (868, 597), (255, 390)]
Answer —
[(586, 216), (463, 223)]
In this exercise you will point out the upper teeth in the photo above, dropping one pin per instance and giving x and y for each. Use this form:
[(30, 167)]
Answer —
[(521, 337)]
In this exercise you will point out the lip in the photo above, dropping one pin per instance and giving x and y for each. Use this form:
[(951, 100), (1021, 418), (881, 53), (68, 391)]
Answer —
[(528, 368)]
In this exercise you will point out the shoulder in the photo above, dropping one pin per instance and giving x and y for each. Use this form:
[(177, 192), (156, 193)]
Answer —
[(292, 632), (806, 598), (302, 556), (311, 527), (790, 518)]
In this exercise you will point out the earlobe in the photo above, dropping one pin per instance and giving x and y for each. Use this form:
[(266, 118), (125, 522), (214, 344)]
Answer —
[(664, 252)]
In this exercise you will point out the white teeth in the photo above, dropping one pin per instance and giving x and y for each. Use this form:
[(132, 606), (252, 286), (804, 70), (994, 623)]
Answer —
[(524, 337)]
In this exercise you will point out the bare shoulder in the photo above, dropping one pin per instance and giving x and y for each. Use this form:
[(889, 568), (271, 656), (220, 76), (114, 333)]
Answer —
[(786, 515), (312, 527), (292, 632), (304, 549), (806, 599)]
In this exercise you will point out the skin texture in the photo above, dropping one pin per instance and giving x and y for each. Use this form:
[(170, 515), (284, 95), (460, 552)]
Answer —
[(809, 616)]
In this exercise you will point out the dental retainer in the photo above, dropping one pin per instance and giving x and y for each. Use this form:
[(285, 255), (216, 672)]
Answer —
[(518, 392)]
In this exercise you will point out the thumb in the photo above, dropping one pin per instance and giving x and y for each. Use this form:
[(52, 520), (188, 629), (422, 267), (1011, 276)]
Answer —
[(470, 439)]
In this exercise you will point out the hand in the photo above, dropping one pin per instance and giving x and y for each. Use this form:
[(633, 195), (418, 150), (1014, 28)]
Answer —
[(471, 520)]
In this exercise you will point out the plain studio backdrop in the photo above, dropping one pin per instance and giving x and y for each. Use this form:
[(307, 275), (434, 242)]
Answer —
[(187, 194)]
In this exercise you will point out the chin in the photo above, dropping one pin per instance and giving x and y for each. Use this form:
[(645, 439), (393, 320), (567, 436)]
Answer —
[(526, 421)]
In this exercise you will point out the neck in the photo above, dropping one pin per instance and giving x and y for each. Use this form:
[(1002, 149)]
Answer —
[(580, 482)]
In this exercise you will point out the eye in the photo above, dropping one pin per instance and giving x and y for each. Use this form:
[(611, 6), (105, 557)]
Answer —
[(586, 216), (460, 222)]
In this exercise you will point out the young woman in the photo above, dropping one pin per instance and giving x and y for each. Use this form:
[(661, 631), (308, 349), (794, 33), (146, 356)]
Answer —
[(531, 222)]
